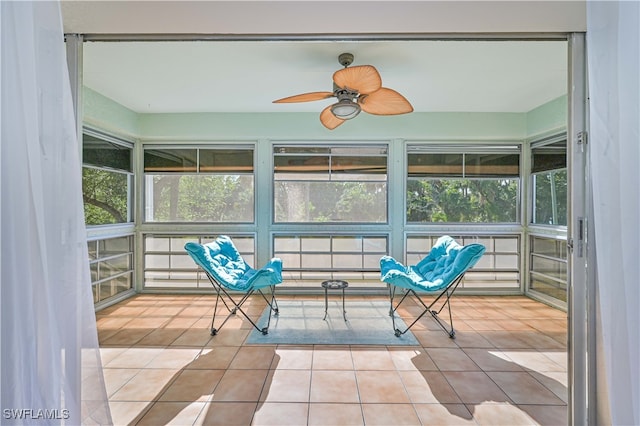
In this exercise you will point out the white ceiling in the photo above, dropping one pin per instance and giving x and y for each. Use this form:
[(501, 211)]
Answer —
[(246, 76), (471, 76)]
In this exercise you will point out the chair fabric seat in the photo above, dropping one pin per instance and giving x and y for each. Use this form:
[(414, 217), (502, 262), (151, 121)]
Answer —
[(222, 260), (444, 263)]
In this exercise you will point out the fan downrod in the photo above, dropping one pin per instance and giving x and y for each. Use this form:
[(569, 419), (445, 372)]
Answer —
[(345, 59)]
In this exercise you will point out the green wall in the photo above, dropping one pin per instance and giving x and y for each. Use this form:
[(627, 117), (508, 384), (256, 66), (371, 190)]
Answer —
[(109, 116)]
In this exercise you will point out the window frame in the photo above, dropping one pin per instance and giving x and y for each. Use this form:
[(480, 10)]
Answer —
[(130, 213), (463, 149), (533, 178), (198, 147), (383, 149)]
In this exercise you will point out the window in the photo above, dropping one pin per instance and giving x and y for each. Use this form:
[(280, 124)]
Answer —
[(308, 259), (548, 267), (497, 269), (549, 182), (106, 180), (330, 184), (199, 185), (111, 266), (167, 264), (463, 187)]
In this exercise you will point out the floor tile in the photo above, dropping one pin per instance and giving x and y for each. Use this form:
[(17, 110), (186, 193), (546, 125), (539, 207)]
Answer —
[(147, 385), (134, 358), (227, 413), (171, 413), (522, 388), (475, 387), (128, 412), (333, 386), (281, 414), (372, 358), (192, 385), (381, 387), (390, 414), (332, 358), (549, 415), (240, 385), (452, 359), (492, 360), (253, 357), (444, 414), (428, 387), (500, 414), (287, 386), (343, 414), (175, 358), (292, 358), (218, 357)]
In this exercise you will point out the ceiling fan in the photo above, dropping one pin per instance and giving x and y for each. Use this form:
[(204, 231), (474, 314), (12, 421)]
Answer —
[(356, 88)]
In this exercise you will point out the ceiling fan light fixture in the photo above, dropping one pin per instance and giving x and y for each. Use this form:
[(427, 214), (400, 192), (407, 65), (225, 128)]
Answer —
[(345, 109)]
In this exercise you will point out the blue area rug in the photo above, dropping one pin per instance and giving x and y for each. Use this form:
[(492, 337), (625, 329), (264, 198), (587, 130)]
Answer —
[(300, 323)]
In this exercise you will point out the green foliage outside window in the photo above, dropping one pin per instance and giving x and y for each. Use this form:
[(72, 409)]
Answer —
[(331, 201), (462, 200), (200, 198), (105, 195)]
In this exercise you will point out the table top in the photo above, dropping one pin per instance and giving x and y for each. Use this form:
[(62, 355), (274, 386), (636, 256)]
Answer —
[(335, 284)]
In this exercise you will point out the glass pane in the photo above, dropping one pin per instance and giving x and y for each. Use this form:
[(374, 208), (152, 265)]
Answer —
[(549, 157), (330, 202), (226, 161), (199, 198), (550, 287), (114, 266), (156, 244), (347, 261), (346, 244), (101, 153), (316, 261), (506, 245), (112, 246), (549, 247), (170, 160), (550, 202), (552, 267), (491, 165), (359, 165), (92, 247), (301, 164), (462, 200), (106, 196), (286, 244), (316, 244), (435, 165)]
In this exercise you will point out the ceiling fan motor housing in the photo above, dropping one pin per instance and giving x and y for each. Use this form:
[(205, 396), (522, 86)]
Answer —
[(345, 59)]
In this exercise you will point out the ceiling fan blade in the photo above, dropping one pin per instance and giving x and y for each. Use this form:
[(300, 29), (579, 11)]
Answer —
[(329, 120), (305, 97), (364, 79), (385, 102)]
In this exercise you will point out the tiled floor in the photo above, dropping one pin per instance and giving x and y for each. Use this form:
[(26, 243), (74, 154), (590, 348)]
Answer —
[(507, 366)]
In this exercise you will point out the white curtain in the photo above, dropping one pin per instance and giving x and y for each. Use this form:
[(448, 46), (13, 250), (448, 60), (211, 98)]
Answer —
[(50, 361), (613, 52)]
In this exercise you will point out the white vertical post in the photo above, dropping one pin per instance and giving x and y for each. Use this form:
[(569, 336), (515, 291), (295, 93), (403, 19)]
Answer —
[(581, 279)]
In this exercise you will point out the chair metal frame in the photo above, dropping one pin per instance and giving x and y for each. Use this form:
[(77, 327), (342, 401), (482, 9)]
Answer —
[(222, 294), (447, 292)]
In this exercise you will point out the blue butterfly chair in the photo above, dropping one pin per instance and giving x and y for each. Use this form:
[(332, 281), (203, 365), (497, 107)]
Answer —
[(439, 273), (229, 273)]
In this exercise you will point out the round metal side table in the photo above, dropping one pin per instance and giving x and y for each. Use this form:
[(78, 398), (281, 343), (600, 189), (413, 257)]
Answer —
[(334, 285)]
